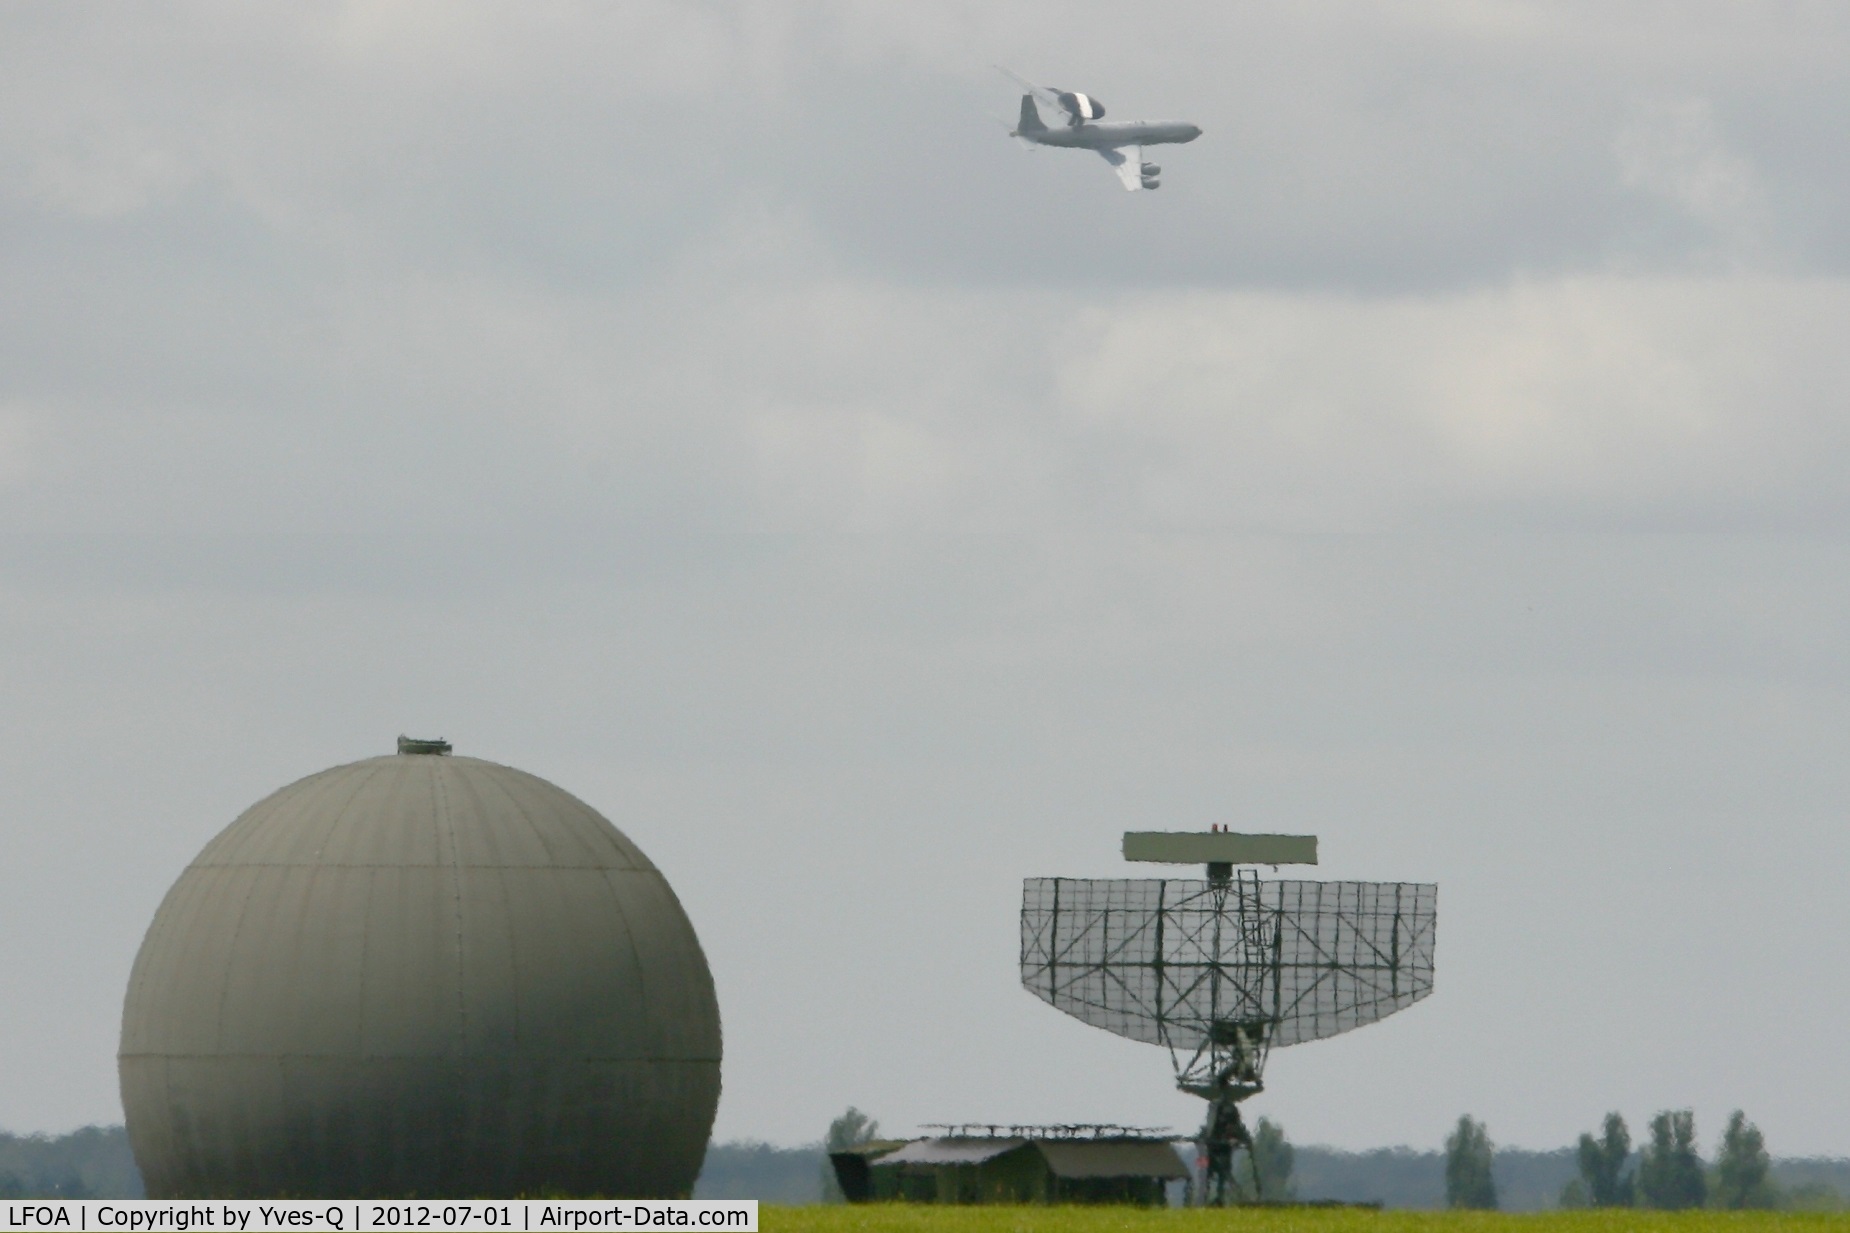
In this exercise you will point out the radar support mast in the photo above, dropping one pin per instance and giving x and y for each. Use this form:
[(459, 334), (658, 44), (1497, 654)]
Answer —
[(1222, 970), (1227, 1066)]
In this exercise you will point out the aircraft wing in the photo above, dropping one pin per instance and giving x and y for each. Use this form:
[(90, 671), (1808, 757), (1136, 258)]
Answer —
[(1127, 161)]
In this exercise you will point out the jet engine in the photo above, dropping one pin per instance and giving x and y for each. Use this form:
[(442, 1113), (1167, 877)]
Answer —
[(1080, 107)]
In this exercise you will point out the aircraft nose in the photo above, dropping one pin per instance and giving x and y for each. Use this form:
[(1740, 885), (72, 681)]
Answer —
[(1194, 131)]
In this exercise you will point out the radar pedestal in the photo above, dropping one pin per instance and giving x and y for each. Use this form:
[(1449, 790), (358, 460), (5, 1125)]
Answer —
[(1225, 969)]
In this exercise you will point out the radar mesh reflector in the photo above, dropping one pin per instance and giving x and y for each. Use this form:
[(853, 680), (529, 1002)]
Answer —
[(1187, 963)]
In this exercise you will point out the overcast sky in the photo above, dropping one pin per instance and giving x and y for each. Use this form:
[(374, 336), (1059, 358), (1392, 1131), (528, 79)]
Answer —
[(707, 407)]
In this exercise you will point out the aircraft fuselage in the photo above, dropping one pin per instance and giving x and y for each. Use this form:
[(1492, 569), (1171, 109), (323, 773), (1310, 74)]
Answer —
[(1112, 136)]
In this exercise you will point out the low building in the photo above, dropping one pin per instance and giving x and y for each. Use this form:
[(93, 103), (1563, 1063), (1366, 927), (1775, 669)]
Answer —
[(1014, 1164)]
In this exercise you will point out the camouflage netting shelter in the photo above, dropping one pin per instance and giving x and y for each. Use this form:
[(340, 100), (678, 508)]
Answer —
[(420, 975)]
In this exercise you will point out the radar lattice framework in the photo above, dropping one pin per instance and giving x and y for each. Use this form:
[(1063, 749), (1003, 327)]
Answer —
[(1221, 971)]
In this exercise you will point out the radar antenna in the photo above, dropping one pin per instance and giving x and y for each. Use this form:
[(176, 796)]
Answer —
[(1222, 970)]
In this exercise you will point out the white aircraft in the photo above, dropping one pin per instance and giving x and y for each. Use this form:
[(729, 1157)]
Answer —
[(1120, 144)]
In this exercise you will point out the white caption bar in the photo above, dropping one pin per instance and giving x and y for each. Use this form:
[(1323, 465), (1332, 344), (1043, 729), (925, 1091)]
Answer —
[(374, 1215)]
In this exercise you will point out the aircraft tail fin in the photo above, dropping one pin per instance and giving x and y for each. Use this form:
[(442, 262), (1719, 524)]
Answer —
[(1030, 117)]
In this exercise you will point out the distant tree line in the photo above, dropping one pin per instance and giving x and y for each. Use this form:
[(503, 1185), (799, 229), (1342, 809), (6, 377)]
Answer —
[(1667, 1174), (1603, 1170), (94, 1162)]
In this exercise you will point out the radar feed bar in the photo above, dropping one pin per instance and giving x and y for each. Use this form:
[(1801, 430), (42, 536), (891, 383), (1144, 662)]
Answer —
[(1219, 848)]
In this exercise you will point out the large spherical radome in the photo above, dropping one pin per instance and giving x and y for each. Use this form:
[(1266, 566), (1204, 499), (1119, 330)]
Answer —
[(420, 975)]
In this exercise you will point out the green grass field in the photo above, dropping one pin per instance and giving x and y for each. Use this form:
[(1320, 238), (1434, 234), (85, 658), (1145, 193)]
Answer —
[(907, 1218)]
